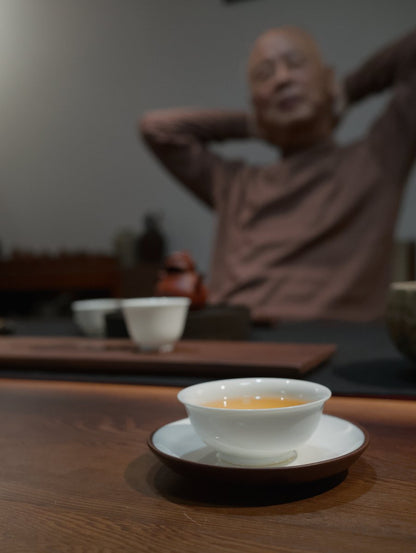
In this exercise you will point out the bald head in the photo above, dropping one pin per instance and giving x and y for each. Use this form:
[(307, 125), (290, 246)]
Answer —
[(291, 87), (280, 38)]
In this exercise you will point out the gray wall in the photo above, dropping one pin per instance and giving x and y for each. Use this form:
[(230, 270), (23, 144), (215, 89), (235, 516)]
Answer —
[(76, 74)]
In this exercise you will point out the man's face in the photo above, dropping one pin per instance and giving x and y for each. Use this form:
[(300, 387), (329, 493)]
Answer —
[(290, 86)]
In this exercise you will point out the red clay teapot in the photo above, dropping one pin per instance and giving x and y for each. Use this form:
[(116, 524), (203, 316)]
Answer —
[(179, 277)]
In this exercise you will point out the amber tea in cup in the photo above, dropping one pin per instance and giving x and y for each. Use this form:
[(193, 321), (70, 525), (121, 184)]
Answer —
[(254, 402)]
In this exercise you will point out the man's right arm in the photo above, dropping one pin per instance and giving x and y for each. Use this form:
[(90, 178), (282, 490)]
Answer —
[(180, 139)]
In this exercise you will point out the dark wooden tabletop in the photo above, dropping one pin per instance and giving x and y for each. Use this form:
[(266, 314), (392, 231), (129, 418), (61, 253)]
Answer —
[(76, 476)]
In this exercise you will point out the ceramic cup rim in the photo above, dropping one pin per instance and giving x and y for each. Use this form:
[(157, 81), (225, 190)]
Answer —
[(95, 304), (194, 404), (155, 301), (405, 285)]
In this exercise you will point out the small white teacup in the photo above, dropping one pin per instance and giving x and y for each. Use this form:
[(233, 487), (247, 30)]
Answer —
[(155, 324), (243, 421), (89, 315)]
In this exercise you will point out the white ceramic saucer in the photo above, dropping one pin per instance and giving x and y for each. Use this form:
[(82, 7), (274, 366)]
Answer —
[(334, 446)]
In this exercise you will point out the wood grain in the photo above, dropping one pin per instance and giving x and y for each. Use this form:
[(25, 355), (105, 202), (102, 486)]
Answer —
[(76, 476), (190, 357)]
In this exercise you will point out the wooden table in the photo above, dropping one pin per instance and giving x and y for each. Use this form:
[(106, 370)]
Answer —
[(76, 476)]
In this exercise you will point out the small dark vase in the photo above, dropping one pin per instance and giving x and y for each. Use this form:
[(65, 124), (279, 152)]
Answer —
[(151, 243)]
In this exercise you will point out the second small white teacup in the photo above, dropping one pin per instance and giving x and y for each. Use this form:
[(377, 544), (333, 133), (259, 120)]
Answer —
[(155, 324), (89, 315)]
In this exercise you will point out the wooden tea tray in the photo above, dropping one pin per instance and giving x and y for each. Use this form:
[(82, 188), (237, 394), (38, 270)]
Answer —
[(190, 357)]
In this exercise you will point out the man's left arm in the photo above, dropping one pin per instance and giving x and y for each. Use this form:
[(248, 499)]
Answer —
[(393, 134), (389, 67)]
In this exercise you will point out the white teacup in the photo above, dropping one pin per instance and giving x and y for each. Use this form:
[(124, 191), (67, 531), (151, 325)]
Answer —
[(247, 436), (155, 324), (89, 315)]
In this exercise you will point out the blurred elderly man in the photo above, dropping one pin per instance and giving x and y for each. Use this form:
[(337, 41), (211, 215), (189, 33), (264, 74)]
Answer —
[(309, 236)]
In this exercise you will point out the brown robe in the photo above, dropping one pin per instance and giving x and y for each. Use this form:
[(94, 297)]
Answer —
[(310, 236)]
